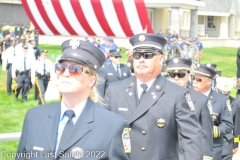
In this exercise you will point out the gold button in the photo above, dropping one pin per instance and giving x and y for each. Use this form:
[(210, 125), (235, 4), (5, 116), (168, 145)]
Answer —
[(143, 132), (129, 129), (143, 149)]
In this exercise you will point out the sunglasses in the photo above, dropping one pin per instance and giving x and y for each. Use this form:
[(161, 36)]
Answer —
[(197, 79), (146, 55), (25, 47), (179, 75), (117, 57), (73, 69)]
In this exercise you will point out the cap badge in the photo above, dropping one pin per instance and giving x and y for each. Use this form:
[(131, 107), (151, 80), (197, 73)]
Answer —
[(74, 44), (225, 85), (77, 153), (142, 38), (209, 65), (198, 65), (160, 123), (175, 60), (95, 66), (131, 84)]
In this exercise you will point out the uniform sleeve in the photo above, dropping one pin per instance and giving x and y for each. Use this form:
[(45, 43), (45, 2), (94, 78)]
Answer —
[(22, 142), (236, 120), (116, 150), (189, 129), (207, 131), (101, 82), (226, 122)]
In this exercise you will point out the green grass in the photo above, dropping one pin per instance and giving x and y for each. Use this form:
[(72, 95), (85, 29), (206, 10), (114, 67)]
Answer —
[(12, 113)]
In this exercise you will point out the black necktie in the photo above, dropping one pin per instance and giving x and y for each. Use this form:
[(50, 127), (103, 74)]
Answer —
[(67, 129), (144, 87), (118, 71)]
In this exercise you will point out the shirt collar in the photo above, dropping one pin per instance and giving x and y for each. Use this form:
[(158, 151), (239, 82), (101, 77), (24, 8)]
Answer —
[(77, 109), (207, 93), (149, 83)]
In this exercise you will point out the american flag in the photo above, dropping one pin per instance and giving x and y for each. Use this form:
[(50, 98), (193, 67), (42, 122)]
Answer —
[(119, 18)]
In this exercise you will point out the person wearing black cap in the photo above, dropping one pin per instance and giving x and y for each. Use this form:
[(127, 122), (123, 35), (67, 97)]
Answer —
[(41, 74), (113, 72), (21, 69), (224, 86), (178, 70), (221, 114), (157, 109), (76, 127)]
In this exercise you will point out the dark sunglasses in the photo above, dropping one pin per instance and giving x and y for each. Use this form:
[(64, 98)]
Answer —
[(197, 79), (146, 55), (117, 57), (74, 70), (180, 75), (25, 47)]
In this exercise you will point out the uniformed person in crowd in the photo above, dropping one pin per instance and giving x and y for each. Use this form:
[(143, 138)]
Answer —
[(7, 41), (157, 109), (41, 74), (76, 127), (7, 65), (111, 44), (21, 67), (178, 70), (112, 72), (220, 112), (170, 44), (94, 41), (230, 146), (200, 46), (36, 50)]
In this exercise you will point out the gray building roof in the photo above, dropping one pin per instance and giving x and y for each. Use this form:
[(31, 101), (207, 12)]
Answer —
[(222, 6)]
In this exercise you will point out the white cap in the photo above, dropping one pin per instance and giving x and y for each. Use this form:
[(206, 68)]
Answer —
[(224, 84)]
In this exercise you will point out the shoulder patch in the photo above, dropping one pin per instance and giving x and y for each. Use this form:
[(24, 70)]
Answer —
[(228, 105), (189, 101), (126, 140), (209, 104)]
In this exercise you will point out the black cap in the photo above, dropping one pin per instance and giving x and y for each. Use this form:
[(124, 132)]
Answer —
[(214, 66), (205, 70), (178, 64), (115, 52), (82, 52), (148, 40)]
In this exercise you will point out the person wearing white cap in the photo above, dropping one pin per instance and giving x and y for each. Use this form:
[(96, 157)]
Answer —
[(230, 145)]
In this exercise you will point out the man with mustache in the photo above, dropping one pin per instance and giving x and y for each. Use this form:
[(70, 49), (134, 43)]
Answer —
[(221, 113), (157, 109)]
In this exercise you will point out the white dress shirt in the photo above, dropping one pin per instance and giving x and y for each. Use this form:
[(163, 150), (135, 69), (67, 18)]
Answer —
[(140, 89)]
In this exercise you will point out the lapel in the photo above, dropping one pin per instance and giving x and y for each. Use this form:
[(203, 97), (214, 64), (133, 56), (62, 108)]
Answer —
[(81, 127), (153, 94), (131, 93), (212, 97), (51, 125), (191, 91), (114, 71)]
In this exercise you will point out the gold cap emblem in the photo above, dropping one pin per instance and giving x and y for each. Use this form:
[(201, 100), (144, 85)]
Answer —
[(175, 60), (198, 65), (131, 84), (209, 65), (141, 38), (161, 123)]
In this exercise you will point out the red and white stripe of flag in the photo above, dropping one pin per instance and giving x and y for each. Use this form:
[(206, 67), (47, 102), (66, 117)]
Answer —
[(120, 18)]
